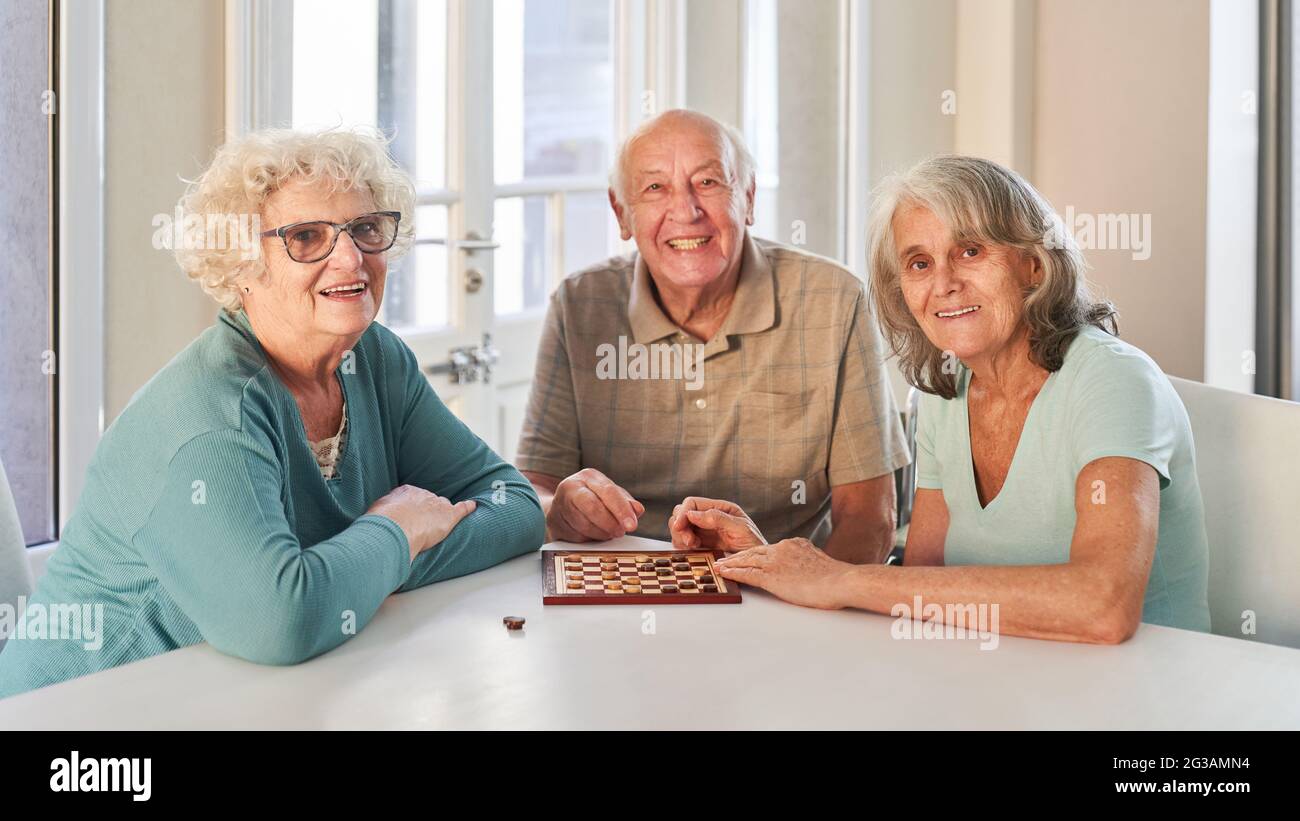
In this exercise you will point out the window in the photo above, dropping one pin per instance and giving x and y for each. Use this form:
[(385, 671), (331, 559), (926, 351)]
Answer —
[(29, 366), (386, 68), (506, 114), (762, 109), (553, 95), (553, 134)]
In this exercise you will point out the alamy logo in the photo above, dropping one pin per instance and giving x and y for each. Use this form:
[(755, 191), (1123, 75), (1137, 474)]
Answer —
[(77, 774), (57, 621), (658, 360), (208, 232), (930, 620), (1101, 232)]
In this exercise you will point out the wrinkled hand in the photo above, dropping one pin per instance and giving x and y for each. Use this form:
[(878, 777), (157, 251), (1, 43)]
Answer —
[(588, 506), (794, 569), (426, 518), (712, 524)]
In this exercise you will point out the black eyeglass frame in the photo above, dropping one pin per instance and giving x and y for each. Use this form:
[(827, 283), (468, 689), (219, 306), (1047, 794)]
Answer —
[(339, 228)]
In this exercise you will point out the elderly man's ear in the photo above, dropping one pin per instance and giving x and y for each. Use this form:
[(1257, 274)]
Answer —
[(624, 228), (749, 203)]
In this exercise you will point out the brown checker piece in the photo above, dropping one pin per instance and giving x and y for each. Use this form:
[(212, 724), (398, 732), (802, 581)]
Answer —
[(606, 576)]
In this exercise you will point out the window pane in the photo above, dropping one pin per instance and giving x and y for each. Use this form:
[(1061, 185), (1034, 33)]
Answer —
[(590, 230), (376, 63), (431, 94), (383, 63), (523, 262), (27, 368), (553, 88), (334, 65), (416, 293), (761, 92)]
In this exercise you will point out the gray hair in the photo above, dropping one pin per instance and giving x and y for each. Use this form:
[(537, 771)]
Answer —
[(981, 201), (735, 155)]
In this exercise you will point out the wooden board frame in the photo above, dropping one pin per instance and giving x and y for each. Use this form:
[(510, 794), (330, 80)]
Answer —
[(552, 593)]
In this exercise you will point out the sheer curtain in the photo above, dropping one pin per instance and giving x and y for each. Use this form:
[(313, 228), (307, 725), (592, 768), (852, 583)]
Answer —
[(27, 363)]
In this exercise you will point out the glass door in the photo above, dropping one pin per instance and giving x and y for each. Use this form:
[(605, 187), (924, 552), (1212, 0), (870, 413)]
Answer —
[(554, 110), (504, 112)]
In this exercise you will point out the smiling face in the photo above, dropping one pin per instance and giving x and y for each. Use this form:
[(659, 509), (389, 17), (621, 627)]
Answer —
[(683, 203), (968, 298), (305, 298)]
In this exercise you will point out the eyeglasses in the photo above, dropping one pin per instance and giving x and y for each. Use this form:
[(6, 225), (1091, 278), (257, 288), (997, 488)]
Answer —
[(314, 240)]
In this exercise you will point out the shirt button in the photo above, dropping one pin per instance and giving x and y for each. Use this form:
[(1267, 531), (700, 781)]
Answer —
[(701, 404)]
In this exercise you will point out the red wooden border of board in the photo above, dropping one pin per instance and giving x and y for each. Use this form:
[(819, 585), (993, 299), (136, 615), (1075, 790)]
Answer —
[(551, 594)]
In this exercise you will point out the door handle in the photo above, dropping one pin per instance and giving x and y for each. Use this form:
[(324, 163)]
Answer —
[(473, 242)]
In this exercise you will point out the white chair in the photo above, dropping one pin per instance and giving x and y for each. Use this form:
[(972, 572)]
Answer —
[(905, 477), (15, 572), (1248, 463)]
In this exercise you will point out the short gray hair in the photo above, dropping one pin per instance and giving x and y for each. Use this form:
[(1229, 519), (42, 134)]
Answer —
[(736, 154), (981, 201)]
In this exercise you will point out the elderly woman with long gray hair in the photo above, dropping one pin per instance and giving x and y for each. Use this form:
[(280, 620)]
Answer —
[(1055, 467)]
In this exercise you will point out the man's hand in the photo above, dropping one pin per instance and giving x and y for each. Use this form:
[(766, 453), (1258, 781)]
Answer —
[(712, 524), (588, 506)]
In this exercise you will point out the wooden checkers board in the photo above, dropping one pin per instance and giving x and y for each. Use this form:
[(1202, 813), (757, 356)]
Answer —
[(634, 577)]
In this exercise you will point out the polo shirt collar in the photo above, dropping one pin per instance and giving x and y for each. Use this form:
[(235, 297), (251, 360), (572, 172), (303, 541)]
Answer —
[(753, 309)]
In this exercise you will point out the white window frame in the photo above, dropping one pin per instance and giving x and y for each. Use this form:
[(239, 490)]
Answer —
[(259, 77), (80, 366)]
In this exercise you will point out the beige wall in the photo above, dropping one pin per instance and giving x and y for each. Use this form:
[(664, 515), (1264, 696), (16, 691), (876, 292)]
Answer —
[(1120, 125), (808, 79), (164, 116), (1103, 104), (906, 121), (716, 57), (995, 80), (912, 63)]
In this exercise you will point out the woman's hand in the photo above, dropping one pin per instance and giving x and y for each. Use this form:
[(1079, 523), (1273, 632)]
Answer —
[(712, 524), (795, 570), (426, 518)]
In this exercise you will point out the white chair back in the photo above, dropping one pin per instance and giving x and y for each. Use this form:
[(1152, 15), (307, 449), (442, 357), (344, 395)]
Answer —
[(1248, 463), (15, 572)]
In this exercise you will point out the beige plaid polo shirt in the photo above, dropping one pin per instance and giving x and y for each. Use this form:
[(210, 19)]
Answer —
[(791, 398)]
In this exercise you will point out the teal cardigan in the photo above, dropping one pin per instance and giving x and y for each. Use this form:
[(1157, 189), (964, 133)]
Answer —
[(205, 517)]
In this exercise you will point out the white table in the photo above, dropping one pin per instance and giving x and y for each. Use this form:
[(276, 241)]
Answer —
[(439, 657)]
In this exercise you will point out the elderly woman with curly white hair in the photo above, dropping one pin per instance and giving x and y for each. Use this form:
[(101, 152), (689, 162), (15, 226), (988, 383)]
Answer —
[(292, 467), (1056, 476)]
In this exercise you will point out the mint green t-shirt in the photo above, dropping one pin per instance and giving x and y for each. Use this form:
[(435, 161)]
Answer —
[(1108, 399)]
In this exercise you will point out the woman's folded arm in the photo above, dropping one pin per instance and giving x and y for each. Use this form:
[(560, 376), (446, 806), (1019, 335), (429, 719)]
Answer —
[(441, 454), (221, 546)]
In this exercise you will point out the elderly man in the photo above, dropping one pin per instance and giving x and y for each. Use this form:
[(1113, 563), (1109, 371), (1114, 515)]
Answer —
[(710, 364)]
